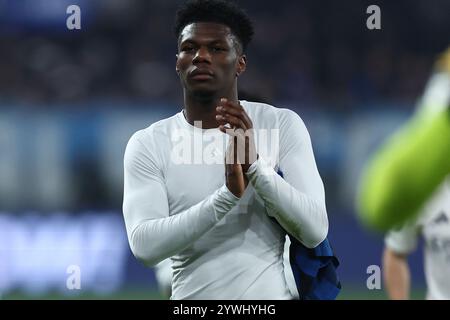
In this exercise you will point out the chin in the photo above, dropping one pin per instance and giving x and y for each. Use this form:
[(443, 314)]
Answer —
[(204, 93)]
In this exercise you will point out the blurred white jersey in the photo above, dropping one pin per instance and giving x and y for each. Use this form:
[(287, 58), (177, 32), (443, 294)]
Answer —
[(433, 224)]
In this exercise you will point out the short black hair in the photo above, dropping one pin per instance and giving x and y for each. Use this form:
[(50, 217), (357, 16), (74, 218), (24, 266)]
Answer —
[(219, 11)]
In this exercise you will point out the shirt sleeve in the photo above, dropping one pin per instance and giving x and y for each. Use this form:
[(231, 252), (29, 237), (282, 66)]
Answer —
[(403, 240), (153, 234), (296, 200)]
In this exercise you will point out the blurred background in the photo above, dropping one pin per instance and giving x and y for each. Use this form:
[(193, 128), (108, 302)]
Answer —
[(70, 100)]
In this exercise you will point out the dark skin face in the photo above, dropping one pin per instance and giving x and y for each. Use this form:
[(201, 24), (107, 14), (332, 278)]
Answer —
[(209, 61)]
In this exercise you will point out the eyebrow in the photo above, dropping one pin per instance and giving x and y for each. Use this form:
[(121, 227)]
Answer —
[(235, 43), (192, 41)]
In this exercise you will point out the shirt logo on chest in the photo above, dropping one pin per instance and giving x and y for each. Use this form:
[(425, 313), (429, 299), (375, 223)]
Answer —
[(441, 218)]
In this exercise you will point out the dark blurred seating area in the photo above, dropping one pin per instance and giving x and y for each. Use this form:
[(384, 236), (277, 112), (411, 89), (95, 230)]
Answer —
[(310, 52)]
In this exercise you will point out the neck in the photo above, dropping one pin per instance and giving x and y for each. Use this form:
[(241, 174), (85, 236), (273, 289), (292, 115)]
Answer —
[(203, 107)]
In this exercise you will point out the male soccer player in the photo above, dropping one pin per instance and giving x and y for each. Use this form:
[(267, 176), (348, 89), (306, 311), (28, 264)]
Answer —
[(433, 224), (223, 223), (409, 168)]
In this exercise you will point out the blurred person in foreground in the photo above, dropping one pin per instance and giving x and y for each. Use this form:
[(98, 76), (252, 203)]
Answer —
[(222, 218), (409, 168), (433, 224)]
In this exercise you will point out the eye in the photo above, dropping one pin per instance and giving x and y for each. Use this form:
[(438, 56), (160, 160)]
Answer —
[(187, 49), (218, 49)]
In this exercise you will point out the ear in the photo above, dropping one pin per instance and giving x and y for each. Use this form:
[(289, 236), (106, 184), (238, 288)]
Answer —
[(241, 65), (176, 64)]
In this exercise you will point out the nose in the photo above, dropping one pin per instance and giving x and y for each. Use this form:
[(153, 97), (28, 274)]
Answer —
[(202, 55)]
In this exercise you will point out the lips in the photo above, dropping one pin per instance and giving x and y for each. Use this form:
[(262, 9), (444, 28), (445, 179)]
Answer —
[(201, 74)]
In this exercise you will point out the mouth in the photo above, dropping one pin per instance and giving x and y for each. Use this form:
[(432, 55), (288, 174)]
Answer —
[(201, 75)]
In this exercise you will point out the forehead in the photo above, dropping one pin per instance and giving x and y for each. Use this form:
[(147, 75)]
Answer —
[(206, 31)]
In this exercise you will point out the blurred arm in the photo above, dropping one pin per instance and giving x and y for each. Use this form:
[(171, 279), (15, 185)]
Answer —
[(406, 171), (398, 244), (153, 235), (297, 201), (396, 275)]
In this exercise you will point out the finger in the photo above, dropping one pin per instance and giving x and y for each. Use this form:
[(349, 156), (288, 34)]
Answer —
[(232, 120), (225, 102), (226, 129), (235, 146), (241, 114), (228, 124), (229, 131), (235, 109), (226, 109), (231, 153)]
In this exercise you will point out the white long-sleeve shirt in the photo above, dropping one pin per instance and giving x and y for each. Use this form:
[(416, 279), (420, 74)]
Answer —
[(176, 204)]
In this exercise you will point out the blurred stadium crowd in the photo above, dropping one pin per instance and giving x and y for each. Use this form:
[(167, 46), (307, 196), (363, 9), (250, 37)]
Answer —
[(304, 51)]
